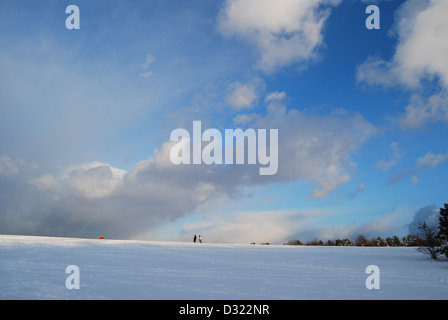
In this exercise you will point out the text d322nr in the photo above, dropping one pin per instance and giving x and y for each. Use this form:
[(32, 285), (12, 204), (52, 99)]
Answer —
[(227, 309)]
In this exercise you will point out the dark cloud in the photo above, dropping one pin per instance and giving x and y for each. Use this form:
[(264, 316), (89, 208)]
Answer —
[(97, 199), (428, 214)]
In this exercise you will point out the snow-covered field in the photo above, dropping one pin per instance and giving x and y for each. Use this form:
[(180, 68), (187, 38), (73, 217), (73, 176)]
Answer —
[(35, 268)]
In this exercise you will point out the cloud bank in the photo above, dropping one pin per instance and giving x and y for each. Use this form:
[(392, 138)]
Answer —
[(98, 199)]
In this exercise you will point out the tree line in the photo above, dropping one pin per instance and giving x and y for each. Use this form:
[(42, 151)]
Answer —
[(362, 241), (431, 239)]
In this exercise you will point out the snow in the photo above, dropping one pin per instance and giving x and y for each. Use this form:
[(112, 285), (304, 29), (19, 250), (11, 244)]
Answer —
[(35, 268)]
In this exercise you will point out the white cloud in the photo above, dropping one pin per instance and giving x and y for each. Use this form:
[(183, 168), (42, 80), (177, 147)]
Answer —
[(274, 103), (145, 66), (375, 71), (316, 148), (245, 119), (419, 54), (241, 96), (93, 183), (283, 31), (45, 182), (116, 172), (13, 167), (93, 180), (329, 182), (421, 26), (420, 57), (7, 166), (422, 110), (396, 156), (149, 60), (432, 160), (275, 96), (146, 74)]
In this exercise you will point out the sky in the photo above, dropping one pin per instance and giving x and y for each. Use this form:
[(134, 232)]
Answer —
[(86, 117)]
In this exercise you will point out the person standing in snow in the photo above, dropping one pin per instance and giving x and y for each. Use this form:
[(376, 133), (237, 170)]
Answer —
[(194, 239), (200, 239)]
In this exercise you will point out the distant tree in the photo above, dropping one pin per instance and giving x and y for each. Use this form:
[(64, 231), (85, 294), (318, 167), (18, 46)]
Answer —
[(373, 242), (344, 242), (393, 241), (294, 242), (315, 242), (412, 241), (330, 243), (431, 240), (443, 229), (380, 242), (396, 241), (361, 241)]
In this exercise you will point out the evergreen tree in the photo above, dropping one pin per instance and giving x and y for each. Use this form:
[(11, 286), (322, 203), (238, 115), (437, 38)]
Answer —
[(380, 242), (443, 228)]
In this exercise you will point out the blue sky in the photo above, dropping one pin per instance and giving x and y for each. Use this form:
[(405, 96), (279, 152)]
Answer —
[(86, 117)]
